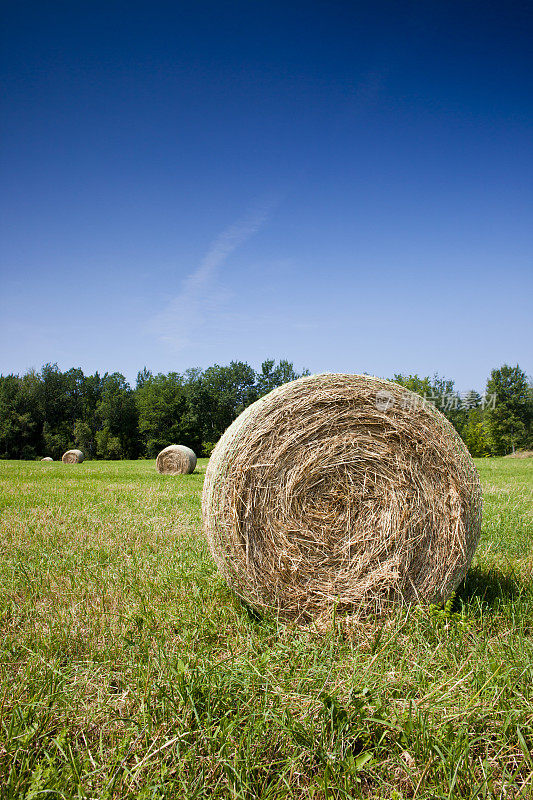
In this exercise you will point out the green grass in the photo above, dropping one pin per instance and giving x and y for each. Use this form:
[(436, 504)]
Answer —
[(129, 671)]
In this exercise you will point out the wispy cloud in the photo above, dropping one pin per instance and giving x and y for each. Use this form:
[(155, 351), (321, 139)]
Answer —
[(199, 295)]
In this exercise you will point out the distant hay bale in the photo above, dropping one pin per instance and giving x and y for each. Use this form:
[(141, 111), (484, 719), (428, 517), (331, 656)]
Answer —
[(72, 457), (520, 454), (47, 458), (176, 459), (341, 491)]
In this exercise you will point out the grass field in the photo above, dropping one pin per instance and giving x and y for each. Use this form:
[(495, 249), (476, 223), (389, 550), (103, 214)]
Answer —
[(129, 671)]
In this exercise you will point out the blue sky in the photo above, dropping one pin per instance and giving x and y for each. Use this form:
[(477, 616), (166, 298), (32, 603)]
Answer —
[(346, 185)]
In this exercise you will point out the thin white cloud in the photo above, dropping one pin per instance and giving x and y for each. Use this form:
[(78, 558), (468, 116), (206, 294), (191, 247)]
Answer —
[(178, 323)]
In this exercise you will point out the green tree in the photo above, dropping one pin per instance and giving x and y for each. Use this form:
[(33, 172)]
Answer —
[(58, 404), (143, 376), (86, 426), (162, 408), (85, 438), (441, 392), (20, 435), (421, 386), (108, 446), (272, 376), (118, 434), (474, 434), (509, 417), (67, 403), (56, 410), (216, 396)]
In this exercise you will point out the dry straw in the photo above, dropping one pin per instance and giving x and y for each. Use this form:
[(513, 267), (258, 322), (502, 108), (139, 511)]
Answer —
[(47, 458), (176, 459), (341, 491), (72, 457)]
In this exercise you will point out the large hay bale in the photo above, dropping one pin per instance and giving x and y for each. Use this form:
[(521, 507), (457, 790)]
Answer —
[(176, 459), (341, 491), (72, 457), (47, 458)]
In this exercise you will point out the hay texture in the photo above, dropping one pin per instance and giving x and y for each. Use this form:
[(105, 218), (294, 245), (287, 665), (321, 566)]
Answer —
[(341, 491), (72, 457), (47, 458), (176, 459)]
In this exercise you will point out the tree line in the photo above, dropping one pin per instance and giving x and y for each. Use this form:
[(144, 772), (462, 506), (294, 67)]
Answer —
[(50, 411)]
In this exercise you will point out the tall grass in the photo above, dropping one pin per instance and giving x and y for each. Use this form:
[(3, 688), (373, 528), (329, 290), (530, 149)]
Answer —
[(129, 671)]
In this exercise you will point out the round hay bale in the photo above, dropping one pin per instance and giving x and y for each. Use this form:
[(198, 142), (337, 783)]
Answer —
[(72, 457), (341, 491), (47, 458), (176, 459)]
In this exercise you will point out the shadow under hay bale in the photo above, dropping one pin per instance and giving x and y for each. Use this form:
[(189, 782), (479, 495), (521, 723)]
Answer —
[(176, 459), (341, 492), (487, 588), (72, 457)]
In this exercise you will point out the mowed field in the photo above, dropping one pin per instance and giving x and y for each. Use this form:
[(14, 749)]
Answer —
[(129, 670)]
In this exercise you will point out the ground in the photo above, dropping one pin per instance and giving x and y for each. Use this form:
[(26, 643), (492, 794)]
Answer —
[(130, 671)]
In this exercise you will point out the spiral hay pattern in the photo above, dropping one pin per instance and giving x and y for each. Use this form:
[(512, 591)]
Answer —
[(72, 457), (341, 491), (176, 459)]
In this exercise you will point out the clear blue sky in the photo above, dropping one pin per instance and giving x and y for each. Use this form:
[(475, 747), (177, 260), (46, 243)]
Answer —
[(344, 184)]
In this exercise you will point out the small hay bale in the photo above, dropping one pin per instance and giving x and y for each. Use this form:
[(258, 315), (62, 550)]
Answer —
[(72, 457), (341, 491), (176, 459), (47, 458)]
